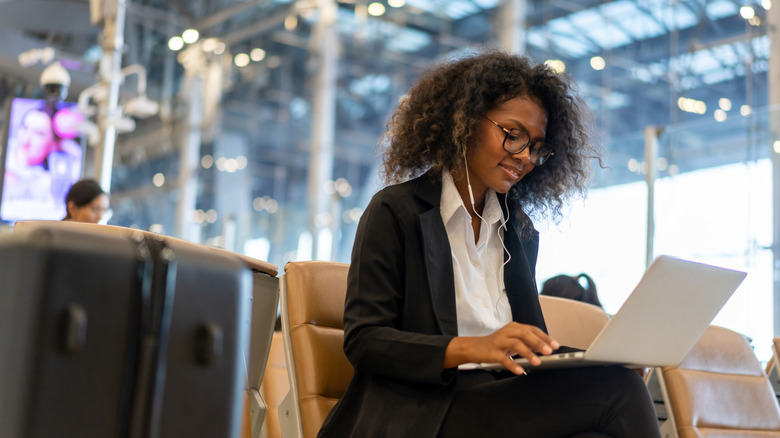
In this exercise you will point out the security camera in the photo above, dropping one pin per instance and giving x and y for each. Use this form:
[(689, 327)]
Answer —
[(55, 81), (141, 107)]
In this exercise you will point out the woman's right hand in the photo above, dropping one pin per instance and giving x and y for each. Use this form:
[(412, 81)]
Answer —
[(513, 339)]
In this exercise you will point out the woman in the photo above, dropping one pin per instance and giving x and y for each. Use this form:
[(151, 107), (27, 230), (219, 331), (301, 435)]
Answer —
[(86, 202), (443, 267)]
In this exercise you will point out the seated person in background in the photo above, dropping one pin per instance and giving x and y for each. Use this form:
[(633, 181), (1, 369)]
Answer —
[(86, 202), (442, 270), (565, 286)]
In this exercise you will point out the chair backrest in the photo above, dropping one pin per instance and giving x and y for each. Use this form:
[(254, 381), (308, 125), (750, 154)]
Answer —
[(720, 389), (312, 302), (275, 386), (570, 322), (773, 367)]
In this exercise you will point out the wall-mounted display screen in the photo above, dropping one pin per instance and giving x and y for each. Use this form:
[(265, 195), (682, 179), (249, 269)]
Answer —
[(42, 157)]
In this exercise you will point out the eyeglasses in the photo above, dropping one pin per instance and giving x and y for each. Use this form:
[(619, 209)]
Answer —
[(517, 140)]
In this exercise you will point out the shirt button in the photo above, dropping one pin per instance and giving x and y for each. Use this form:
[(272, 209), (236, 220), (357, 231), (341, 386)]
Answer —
[(484, 304), (475, 263)]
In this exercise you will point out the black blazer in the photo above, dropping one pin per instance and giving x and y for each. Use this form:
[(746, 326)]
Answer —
[(400, 314)]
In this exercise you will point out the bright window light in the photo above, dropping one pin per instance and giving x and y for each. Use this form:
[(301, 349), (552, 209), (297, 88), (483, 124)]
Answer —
[(401, 3), (747, 12)]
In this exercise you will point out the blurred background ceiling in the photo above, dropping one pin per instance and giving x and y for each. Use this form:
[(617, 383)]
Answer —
[(638, 63)]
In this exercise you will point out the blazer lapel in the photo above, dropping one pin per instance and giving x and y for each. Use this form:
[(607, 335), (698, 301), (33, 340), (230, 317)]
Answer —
[(438, 259), (519, 276)]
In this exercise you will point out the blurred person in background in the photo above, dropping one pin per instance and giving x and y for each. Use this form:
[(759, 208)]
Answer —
[(566, 286), (86, 202)]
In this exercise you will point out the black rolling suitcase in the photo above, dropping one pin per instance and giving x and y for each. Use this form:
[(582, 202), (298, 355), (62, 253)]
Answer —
[(118, 336)]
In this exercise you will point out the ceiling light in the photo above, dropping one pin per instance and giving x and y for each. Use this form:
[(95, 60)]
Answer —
[(556, 65), (175, 43), (257, 54), (241, 60), (747, 12), (290, 22), (598, 63), (376, 9), (190, 36), (691, 105)]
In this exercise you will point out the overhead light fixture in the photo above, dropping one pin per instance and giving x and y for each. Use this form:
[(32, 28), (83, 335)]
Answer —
[(141, 107), (598, 63), (257, 54), (691, 105), (176, 43), (376, 9), (290, 22), (241, 60), (556, 65), (190, 36)]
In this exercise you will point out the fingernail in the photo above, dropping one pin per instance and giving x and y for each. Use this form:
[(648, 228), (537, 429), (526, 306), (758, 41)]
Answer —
[(555, 345)]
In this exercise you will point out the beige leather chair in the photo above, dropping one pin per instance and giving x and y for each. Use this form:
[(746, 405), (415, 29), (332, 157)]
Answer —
[(312, 308), (275, 386), (572, 323), (265, 300), (773, 367), (719, 390)]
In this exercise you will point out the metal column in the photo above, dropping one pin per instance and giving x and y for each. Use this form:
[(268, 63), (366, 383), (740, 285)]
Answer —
[(773, 31), (651, 156), (112, 14), (512, 26), (326, 40)]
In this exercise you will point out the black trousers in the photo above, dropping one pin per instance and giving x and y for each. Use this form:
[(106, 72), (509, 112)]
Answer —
[(584, 402)]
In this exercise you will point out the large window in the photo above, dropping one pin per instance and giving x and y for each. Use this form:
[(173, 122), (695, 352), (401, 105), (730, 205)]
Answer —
[(719, 215)]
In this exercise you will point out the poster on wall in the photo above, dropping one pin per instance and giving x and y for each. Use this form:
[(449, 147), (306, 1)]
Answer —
[(42, 157)]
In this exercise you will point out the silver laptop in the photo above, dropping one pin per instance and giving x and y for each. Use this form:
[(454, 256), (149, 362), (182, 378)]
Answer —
[(668, 311)]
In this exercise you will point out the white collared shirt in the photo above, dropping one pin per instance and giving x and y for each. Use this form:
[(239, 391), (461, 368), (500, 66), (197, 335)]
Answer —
[(480, 294)]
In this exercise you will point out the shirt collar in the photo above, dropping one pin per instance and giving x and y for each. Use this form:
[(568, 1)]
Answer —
[(451, 201)]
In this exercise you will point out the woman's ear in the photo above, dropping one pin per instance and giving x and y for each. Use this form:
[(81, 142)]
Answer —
[(70, 207)]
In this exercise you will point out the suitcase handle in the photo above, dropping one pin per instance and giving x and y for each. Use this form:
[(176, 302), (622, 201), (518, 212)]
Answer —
[(75, 329), (208, 344)]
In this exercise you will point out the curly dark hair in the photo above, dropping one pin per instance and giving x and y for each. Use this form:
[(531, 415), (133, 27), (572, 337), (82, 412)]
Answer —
[(436, 123)]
